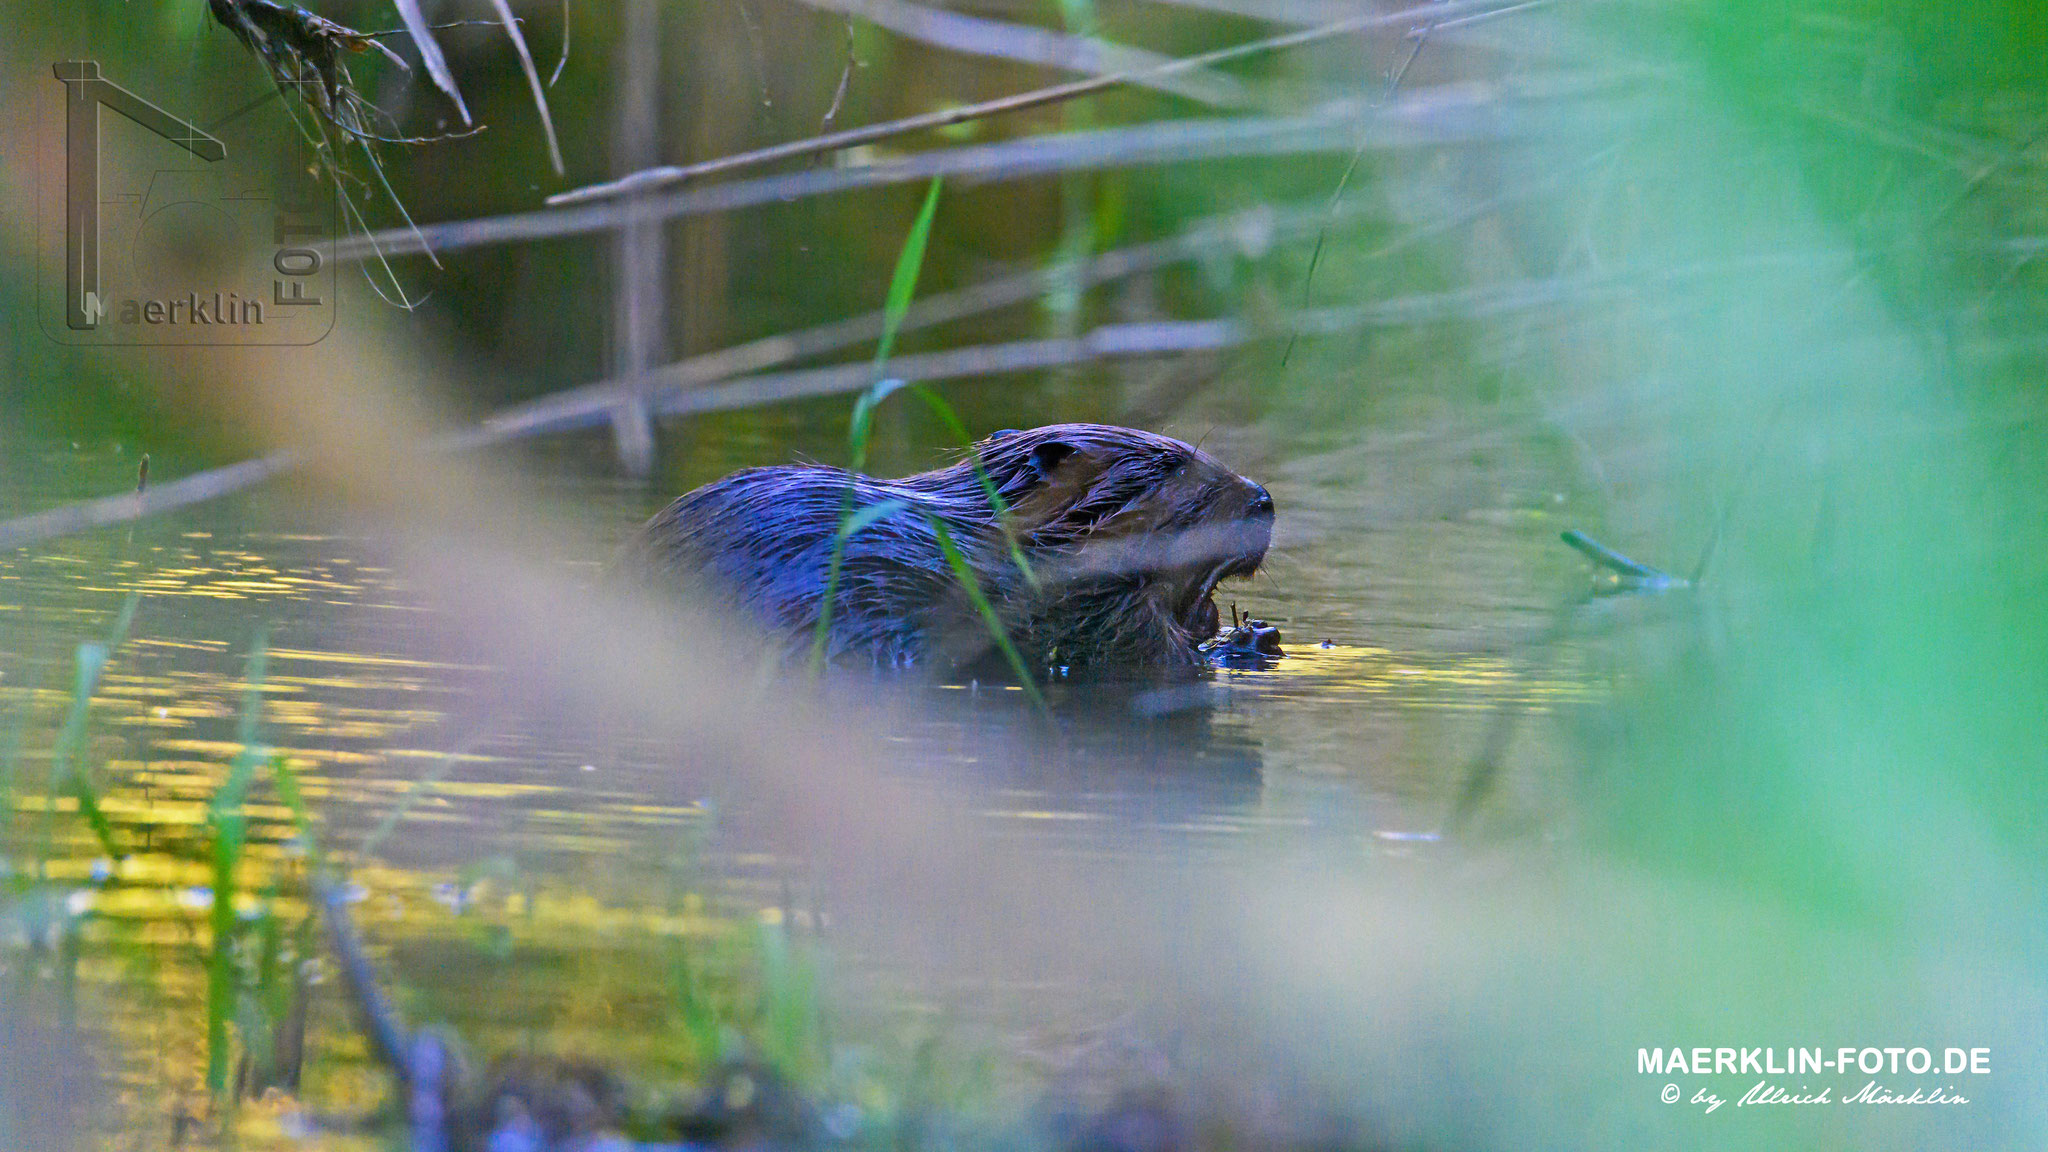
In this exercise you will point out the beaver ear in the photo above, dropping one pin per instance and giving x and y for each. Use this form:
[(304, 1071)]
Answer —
[(1046, 458)]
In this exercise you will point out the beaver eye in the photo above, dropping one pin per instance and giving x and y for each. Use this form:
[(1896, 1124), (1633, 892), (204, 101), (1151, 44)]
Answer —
[(1047, 457)]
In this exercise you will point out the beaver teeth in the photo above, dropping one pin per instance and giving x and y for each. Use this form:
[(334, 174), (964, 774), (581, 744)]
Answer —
[(1202, 607)]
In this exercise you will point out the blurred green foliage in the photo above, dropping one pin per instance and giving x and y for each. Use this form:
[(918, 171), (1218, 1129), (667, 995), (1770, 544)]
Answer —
[(1780, 287)]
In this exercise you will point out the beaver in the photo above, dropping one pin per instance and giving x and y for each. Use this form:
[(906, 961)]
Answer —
[(1123, 536)]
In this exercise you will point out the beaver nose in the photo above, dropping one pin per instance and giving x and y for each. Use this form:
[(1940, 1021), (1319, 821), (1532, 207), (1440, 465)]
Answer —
[(1262, 502)]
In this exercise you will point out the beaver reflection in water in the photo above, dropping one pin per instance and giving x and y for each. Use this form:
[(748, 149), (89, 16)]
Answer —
[(1126, 535)]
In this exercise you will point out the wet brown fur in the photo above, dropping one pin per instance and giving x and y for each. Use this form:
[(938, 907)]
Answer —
[(1125, 534)]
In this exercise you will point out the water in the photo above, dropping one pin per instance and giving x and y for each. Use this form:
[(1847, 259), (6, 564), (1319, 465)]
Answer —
[(569, 862)]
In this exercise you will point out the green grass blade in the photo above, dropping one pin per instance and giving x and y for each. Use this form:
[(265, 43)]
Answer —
[(902, 288), (696, 1009), (270, 953), (965, 573), (65, 775), (227, 802), (862, 426), (417, 790), (123, 621), (791, 1009), (230, 833), (903, 283), (220, 966), (823, 631), (287, 783), (951, 420), (10, 762)]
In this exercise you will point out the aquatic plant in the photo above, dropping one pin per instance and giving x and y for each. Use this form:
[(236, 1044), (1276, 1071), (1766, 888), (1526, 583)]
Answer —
[(902, 286)]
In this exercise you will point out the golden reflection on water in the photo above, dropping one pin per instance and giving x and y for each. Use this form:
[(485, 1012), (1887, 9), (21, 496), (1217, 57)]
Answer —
[(524, 897), (128, 938)]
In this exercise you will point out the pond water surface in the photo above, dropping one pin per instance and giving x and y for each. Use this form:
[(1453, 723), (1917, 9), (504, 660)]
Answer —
[(531, 889)]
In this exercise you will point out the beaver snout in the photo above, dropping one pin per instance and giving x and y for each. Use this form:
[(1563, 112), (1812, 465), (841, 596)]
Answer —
[(1262, 502), (1254, 531)]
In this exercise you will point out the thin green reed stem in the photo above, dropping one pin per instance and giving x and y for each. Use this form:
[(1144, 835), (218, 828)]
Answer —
[(10, 760), (965, 573), (65, 773), (902, 288), (294, 797), (230, 833), (790, 988), (951, 420), (903, 281), (286, 1000), (220, 971)]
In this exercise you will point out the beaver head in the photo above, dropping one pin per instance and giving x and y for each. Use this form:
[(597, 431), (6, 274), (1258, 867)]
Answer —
[(1123, 536), (1127, 532)]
